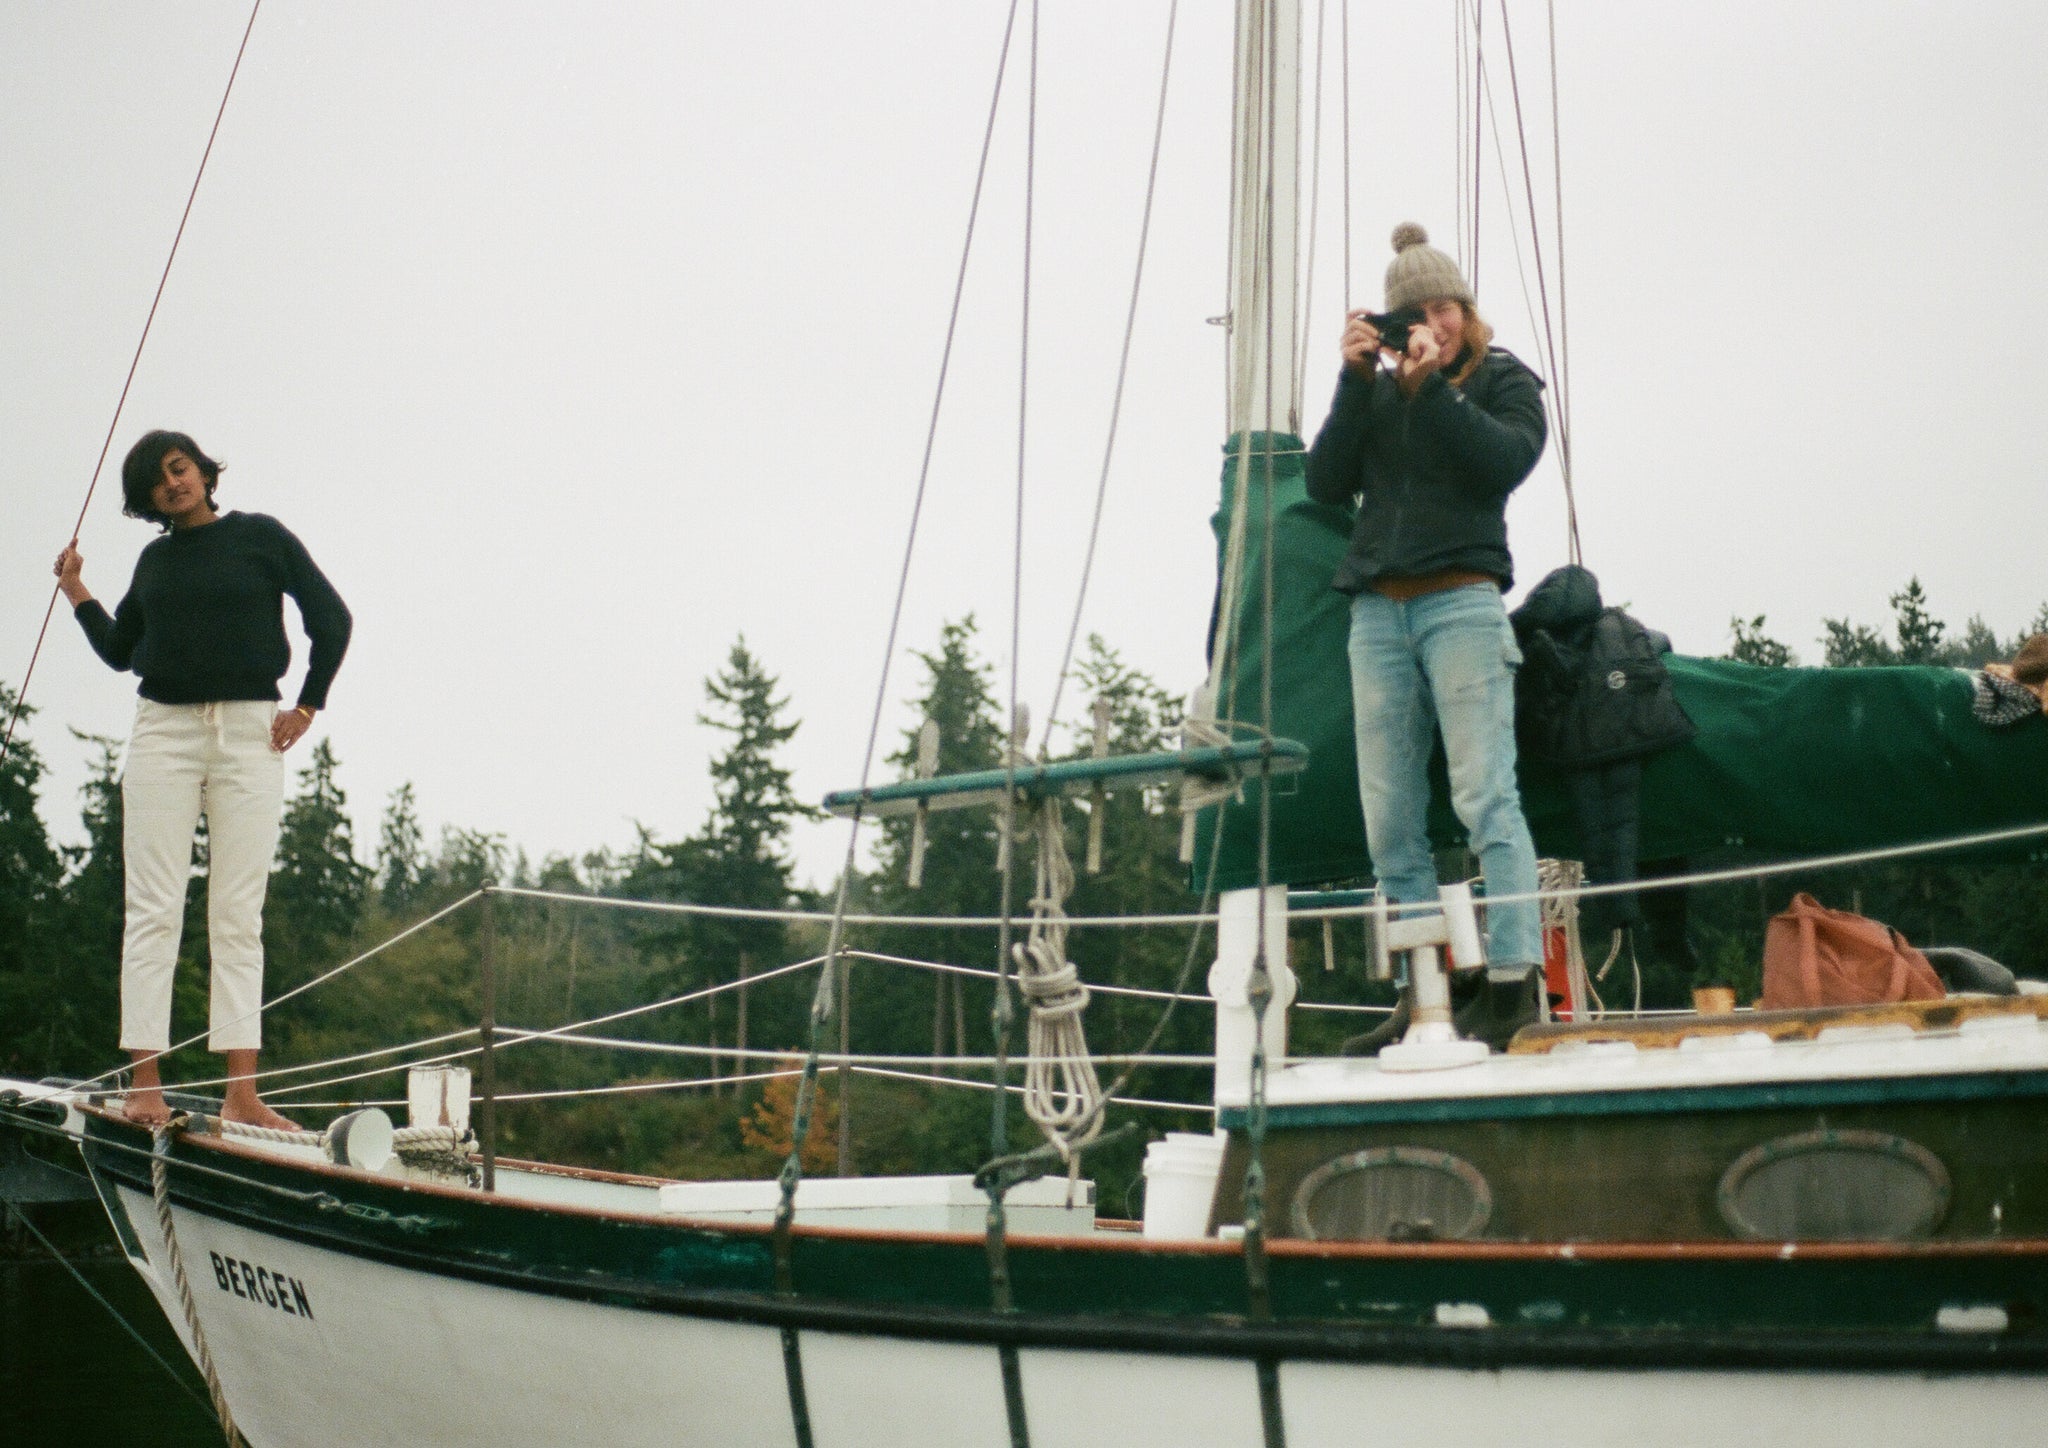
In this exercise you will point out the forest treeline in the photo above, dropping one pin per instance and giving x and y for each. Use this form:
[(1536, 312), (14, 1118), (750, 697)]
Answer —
[(335, 894)]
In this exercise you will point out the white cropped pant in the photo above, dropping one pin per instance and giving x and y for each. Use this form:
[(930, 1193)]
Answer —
[(185, 760)]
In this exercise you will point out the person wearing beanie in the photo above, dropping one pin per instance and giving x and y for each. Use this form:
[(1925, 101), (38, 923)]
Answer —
[(1427, 441)]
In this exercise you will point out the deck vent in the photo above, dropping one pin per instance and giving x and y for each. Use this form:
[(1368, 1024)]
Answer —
[(1835, 1186), (1393, 1194)]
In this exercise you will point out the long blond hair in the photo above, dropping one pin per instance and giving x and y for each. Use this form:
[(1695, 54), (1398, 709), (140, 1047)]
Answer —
[(1478, 337)]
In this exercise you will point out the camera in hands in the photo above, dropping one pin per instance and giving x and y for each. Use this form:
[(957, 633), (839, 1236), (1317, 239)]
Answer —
[(1395, 326)]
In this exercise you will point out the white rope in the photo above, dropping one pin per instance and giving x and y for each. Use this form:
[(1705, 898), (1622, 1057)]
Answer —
[(1138, 992), (1745, 872), (556, 1032), (931, 1080), (939, 922), (1061, 1092), (346, 965), (306, 1066), (828, 1058), (1560, 880), (160, 1190), (405, 1140)]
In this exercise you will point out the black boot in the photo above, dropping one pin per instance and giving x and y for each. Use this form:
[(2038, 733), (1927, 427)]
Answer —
[(1468, 1001), (1387, 1031), (1505, 1006)]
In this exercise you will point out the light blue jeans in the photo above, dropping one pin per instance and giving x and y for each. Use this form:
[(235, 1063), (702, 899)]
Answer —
[(1445, 660)]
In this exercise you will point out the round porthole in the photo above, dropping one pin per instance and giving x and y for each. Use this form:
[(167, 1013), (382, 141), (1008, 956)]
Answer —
[(1393, 1193), (1835, 1186)]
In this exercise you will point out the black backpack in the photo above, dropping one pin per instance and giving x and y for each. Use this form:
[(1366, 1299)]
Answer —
[(1592, 688)]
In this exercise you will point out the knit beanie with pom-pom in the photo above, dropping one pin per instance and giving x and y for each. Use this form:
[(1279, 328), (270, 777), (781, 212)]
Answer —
[(1420, 273)]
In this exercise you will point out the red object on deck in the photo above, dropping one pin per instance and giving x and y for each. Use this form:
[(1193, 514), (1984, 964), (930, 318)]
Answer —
[(1557, 975)]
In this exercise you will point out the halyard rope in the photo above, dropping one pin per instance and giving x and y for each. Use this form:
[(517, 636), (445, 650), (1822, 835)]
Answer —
[(160, 1189)]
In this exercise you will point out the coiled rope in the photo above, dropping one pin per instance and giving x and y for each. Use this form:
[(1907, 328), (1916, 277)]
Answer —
[(1062, 1094)]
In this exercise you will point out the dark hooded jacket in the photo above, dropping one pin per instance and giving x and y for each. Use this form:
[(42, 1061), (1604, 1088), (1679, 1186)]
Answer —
[(1431, 475), (1593, 688), (1593, 698)]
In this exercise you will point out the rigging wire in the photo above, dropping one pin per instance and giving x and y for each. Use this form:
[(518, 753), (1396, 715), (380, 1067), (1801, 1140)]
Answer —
[(1479, 72), (50, 609), (1458, 64), (321, 979), (1315, 194), (1000, 1009), (822, 1001), (112, 1311), (1344, 34), (1122, 369), (1564, 331), (1564, 437)]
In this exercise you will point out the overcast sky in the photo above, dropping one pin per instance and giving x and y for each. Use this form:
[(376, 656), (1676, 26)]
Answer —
[(576, 341)]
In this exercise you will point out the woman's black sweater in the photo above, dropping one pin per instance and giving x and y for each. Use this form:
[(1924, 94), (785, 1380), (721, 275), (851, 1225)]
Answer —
[(204, 617)]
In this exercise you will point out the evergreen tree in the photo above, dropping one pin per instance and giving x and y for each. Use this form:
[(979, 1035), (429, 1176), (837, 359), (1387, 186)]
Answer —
[(959, 864), (1141, 868), (470, 859), (1919, 632), (96, 880), (30, 871), (1854, 646), (1978, 646), (29, 866), (318, 887), (739, 857), (402, 868), (1754, 646)]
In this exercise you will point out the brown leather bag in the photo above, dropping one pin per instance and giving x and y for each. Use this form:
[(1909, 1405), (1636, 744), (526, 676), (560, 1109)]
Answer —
[(1814, 956)]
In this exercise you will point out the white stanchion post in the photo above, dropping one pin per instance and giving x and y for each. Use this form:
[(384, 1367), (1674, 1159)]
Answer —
[(1237, 944)]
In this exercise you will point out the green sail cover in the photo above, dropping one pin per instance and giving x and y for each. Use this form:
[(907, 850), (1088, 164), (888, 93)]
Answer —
[(1787, 762)]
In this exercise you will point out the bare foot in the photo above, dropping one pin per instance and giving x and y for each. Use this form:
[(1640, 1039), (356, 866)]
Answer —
[(146, 1107), (250, 1111)]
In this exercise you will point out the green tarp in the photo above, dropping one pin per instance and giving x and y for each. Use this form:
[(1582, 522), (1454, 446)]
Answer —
[(1788, 762)]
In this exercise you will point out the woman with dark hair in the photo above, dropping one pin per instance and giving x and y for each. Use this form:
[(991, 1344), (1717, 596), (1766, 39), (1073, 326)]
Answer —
[(1429, 438), (203, 624)]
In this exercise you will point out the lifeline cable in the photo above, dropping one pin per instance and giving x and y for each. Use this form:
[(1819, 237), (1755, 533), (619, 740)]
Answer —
[(50, 609)]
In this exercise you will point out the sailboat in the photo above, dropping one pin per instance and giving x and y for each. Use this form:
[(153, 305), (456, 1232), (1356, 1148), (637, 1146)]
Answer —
[(1828, 1226)]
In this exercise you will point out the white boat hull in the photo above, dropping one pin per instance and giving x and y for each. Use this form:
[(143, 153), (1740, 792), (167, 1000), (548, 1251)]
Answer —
[(394, 1356)]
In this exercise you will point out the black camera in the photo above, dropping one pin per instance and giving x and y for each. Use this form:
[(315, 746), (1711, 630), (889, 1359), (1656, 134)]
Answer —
[(1395, 326)]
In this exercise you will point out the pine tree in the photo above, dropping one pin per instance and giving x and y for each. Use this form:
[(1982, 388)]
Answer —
[(470, 859), (1754, 646), (740, 857), (30, 870), (960, 858), (1853, 646), (318, 887), (1919, 632), (402, 869), (29, 866)]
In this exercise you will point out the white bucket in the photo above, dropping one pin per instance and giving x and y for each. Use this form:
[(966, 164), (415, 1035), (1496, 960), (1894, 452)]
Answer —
[(1180, 1184), (438, 1096)]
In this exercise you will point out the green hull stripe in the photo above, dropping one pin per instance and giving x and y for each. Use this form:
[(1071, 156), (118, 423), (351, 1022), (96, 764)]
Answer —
[(1749, 1097), (1867, 1312)]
